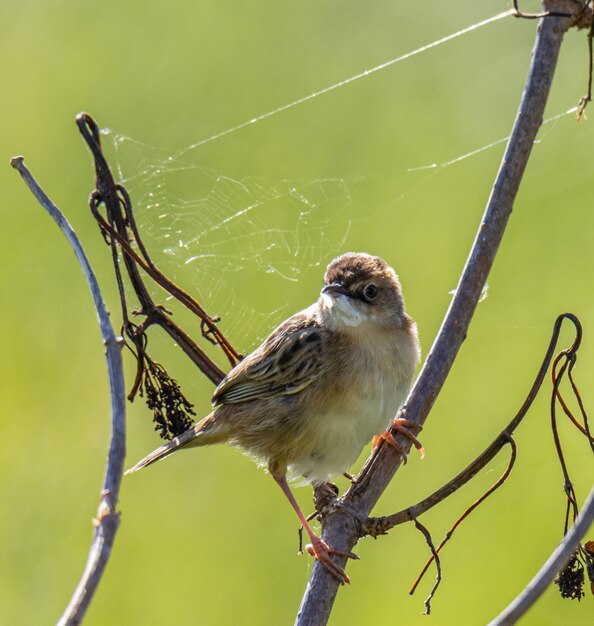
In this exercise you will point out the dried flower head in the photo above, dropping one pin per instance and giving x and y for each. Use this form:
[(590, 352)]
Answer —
[(570, 579)]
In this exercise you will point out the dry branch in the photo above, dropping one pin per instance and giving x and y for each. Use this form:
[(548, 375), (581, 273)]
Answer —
[(107, 518), (339, 522)]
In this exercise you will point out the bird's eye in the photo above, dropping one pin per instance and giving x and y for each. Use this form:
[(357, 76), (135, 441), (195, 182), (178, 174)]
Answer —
[(370, 292)]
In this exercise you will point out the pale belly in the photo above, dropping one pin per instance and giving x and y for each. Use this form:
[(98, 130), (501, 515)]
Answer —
[(338, 436)]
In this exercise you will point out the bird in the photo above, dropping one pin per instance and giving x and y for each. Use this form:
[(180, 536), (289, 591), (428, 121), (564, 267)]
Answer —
[(324, 383)]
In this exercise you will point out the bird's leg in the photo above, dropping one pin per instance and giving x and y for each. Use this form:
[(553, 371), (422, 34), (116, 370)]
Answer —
[(318, 548), (403, 426)]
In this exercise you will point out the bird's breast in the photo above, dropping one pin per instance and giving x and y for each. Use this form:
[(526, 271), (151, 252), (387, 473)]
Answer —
[(361, 398)]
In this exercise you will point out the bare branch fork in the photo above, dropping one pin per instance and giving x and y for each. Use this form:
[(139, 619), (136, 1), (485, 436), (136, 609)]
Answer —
[(107, 518), (340, 520)]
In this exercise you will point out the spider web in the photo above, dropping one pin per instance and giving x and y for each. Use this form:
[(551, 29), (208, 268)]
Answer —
[(218, 233), (215, 233)]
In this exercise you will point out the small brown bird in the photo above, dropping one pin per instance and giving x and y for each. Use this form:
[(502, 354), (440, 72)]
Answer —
[(319, 388)]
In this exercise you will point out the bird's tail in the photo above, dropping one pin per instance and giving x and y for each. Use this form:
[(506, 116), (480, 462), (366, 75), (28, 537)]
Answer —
[(201, 434)]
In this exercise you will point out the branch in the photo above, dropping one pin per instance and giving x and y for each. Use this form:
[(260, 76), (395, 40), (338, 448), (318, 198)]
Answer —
[(340, 528), (555, 563), (107, 519)]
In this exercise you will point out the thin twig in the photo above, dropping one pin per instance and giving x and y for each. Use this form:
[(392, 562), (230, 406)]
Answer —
[(555, 563), (468, 511), (382, 465), (107, 518), (535, 16), (434, 557), (583, 103)]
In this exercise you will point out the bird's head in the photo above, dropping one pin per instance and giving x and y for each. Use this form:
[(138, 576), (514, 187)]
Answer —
[(360, 289)]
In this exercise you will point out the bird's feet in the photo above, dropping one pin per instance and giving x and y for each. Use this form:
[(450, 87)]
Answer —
[(405, 427), (321, 551)]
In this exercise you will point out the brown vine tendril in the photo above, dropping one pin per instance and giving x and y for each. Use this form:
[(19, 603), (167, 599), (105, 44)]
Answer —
[(571, 578), (468, 511), (434, 557)]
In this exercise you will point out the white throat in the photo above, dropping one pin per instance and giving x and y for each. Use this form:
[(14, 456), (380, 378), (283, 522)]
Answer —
[(342, 311)]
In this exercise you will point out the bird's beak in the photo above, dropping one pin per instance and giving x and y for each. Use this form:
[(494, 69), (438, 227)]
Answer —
[(335, 290)]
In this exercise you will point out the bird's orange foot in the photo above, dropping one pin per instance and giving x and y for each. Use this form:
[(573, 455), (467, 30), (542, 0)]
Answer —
[(321, 551), (403, 426)]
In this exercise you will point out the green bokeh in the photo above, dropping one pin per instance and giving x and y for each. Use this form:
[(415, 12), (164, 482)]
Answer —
[(207, 537)]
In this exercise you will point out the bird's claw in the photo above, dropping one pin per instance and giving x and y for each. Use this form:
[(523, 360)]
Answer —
[(405, 427), (321, 551)]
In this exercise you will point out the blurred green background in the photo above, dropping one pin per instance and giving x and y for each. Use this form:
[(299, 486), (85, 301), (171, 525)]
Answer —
[(207, 538)]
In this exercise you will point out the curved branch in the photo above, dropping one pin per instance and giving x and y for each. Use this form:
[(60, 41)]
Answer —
[(107, 519), (385, 460), (555, 563)]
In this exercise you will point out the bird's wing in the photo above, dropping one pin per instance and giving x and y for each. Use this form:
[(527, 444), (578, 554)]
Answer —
[(287, 362)]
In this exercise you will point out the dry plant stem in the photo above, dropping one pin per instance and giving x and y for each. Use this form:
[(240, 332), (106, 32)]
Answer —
[(500, 481), (121, 227), (340, 529), (554, 564), (107, 519), (435, 557), (113, 197)]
